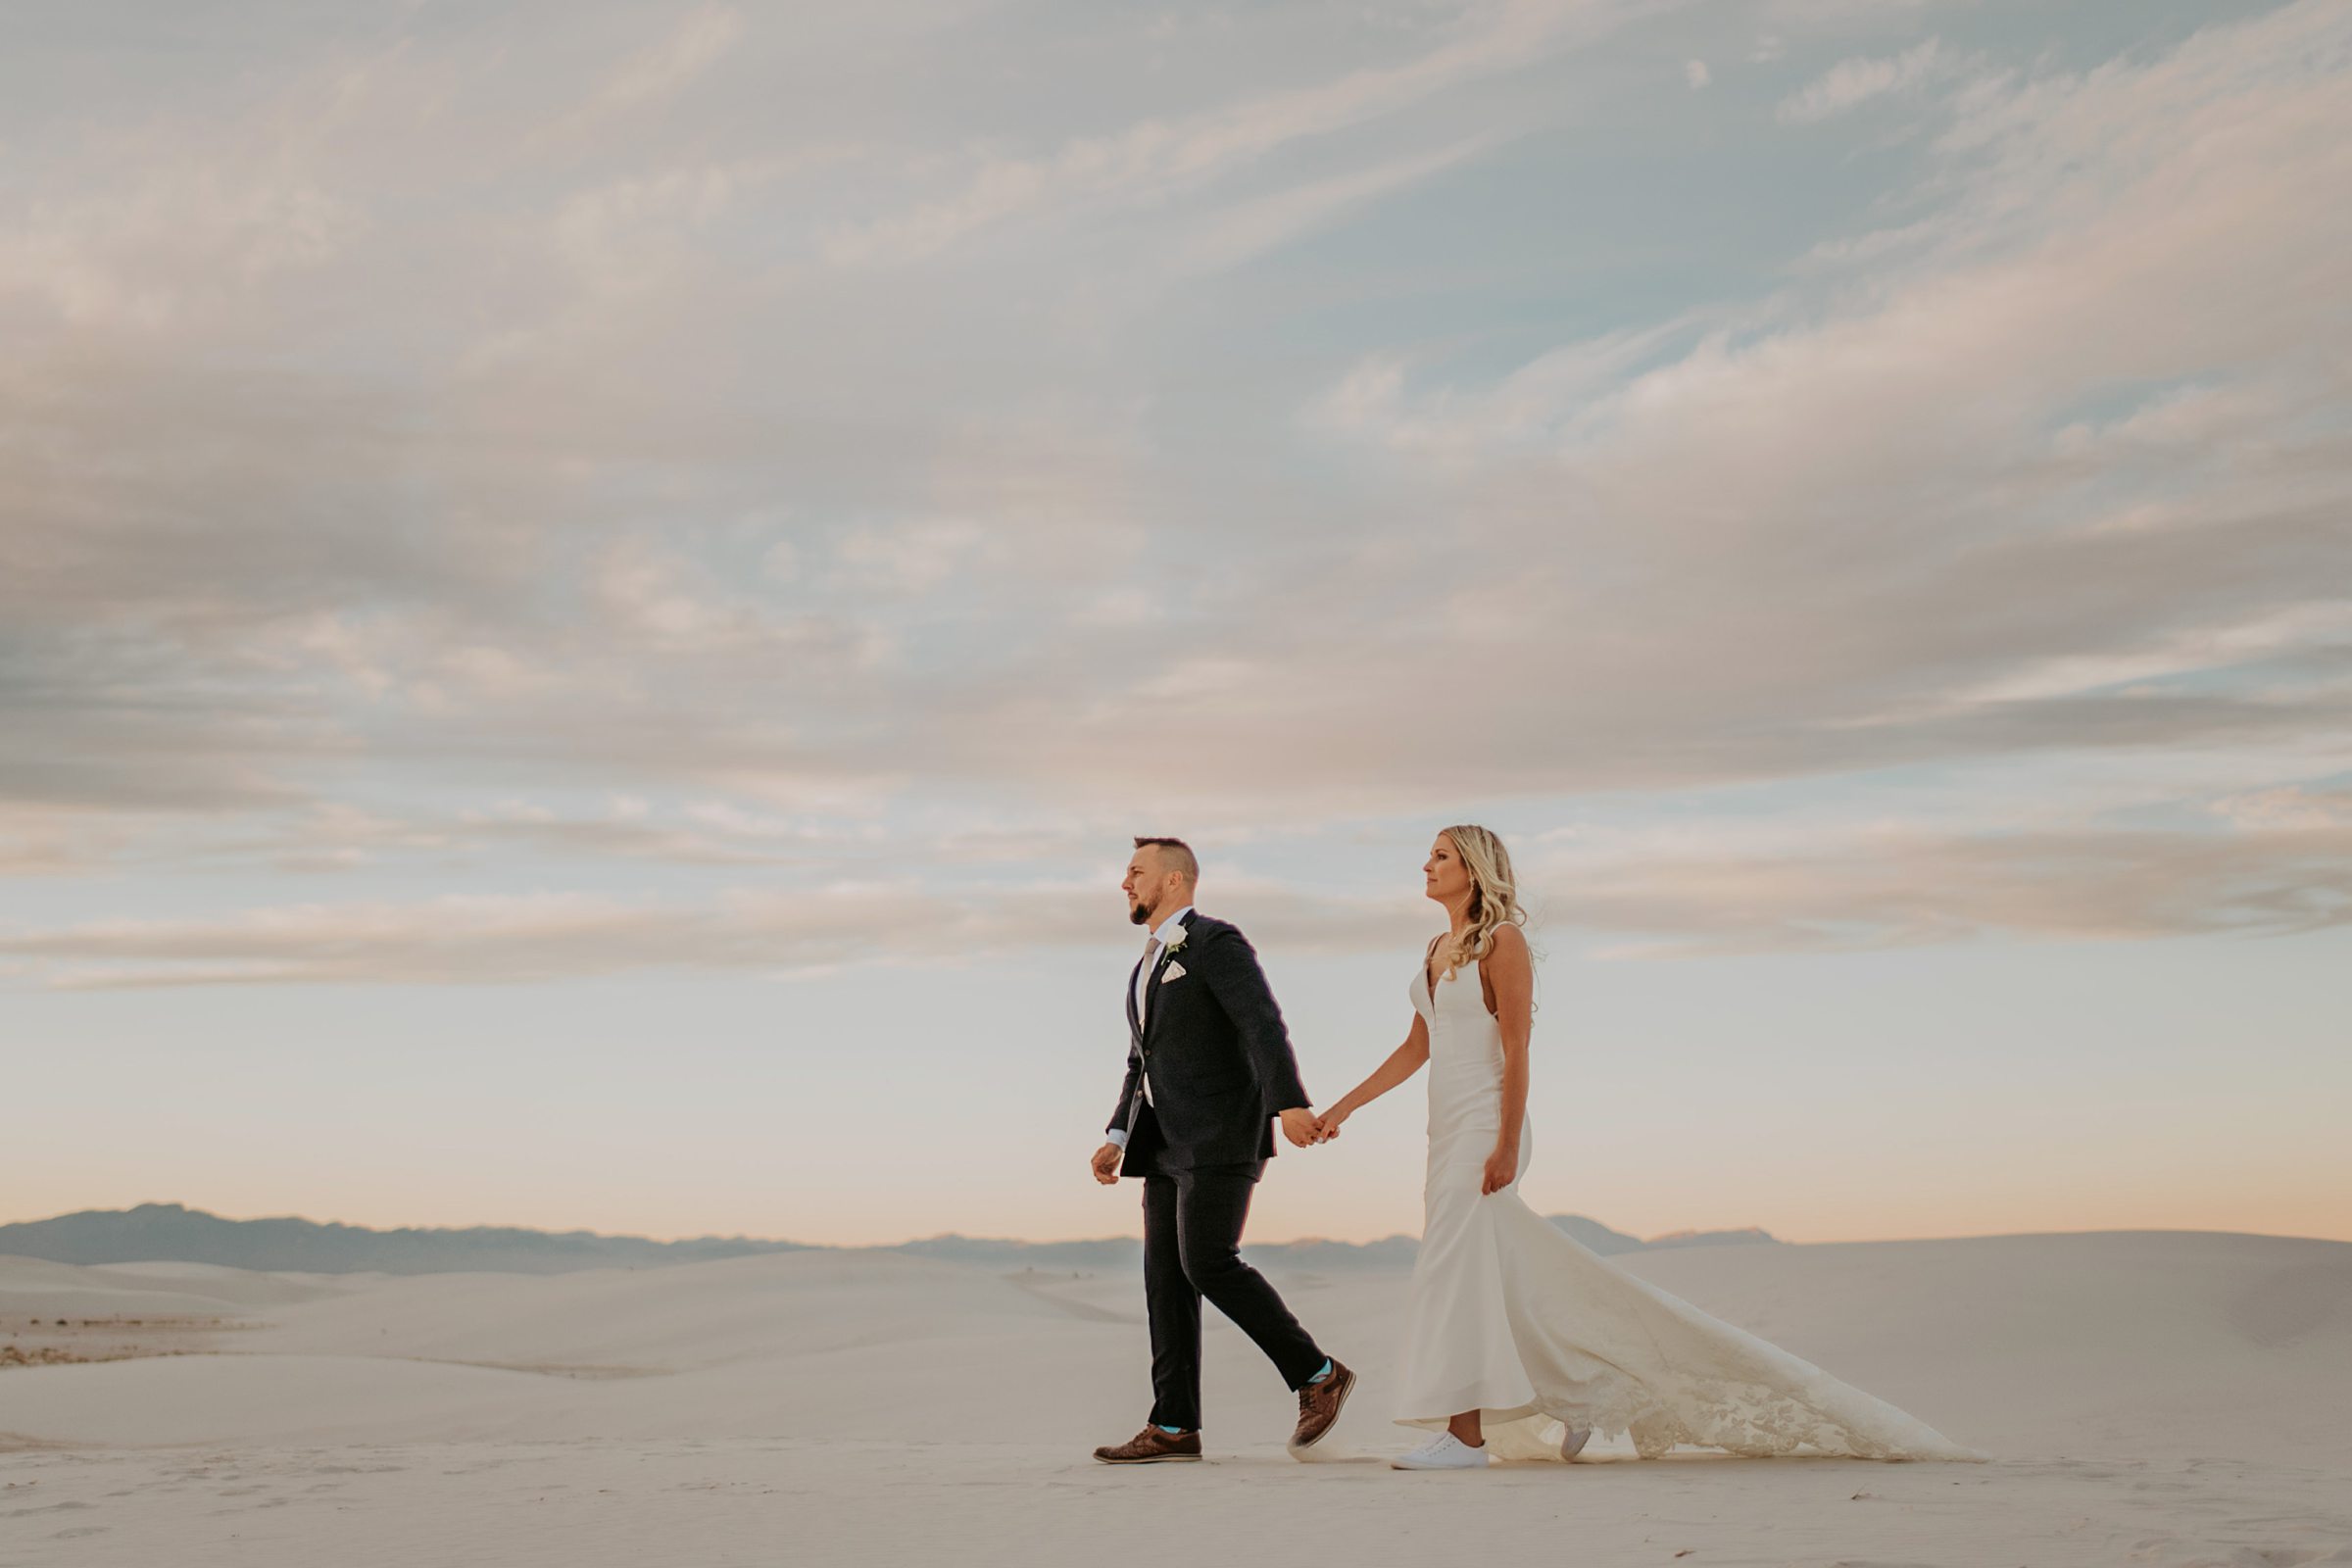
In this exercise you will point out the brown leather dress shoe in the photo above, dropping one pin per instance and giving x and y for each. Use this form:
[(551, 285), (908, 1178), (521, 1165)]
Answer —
[(1320, 1406), (1152, 1446)]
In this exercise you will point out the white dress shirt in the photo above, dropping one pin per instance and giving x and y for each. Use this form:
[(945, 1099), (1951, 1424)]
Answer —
[(1160, 934), (1143, 973)]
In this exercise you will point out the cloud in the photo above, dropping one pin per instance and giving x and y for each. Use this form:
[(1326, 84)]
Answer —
[(1855, 528), (1262, 224), (669, 599), (40, 841), (1894, 889), (515, 469), (2285, 867), (699, 42), (144, 258), (909, 559), (1853, 82), (1528, 408), (1838, 15), (643, 81), (1157, 157), (527, 938), (2288, 807)]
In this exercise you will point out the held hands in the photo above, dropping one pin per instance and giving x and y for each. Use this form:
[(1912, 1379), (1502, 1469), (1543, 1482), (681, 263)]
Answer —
[(1302, 1126), (1106, 1164), (1502, 1169)]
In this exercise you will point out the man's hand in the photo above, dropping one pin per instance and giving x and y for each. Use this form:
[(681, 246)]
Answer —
[(1106, 1164), (1299, 1125)]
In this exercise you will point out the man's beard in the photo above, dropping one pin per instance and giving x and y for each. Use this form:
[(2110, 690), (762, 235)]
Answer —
[(1137, 914)]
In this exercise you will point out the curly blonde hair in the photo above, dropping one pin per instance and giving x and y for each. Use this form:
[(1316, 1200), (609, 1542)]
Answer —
[(1494, 893)]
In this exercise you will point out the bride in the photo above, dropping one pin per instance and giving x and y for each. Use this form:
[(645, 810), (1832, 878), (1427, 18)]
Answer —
[(1521, 1343)]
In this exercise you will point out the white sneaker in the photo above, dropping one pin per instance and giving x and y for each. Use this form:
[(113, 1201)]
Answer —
[(1573, 1442), (1444, 1452)]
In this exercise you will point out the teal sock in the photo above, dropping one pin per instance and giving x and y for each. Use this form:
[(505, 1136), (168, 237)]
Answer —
[(1326, 1372), (1170, 1431)]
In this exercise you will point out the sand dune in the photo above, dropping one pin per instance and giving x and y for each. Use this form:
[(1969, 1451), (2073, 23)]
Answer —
[(2158, 1397)]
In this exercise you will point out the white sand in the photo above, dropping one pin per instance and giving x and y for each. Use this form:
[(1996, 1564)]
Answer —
[(2161, 1399)]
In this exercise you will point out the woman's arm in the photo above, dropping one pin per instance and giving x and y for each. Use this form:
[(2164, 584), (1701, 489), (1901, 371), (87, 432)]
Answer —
[(1405, 1062), (1514, 975)]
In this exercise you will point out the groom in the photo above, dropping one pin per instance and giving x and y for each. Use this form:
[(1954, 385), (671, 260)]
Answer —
[(1210, 1071)]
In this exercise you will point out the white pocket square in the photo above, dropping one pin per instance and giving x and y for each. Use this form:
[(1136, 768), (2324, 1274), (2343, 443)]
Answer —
[(1174, 971)]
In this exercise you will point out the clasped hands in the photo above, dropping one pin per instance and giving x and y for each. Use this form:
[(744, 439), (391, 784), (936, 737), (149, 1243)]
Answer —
[(1303, 1127), (1300, 1125)]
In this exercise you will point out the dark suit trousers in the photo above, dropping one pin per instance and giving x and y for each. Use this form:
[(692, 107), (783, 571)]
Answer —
[(1192, 1247)]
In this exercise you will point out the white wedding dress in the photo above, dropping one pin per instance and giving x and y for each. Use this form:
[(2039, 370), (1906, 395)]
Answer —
[(1523, 1324)]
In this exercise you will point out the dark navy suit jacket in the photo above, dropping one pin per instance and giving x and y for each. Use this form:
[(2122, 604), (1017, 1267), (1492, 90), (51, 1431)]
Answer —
[(1215, 1050)]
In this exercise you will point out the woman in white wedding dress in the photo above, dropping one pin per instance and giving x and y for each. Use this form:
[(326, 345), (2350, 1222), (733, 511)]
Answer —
[(1521, 1343)]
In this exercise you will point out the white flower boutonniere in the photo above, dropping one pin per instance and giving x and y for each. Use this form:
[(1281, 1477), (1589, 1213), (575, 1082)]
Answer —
[(1176, 941), (1174, 971)]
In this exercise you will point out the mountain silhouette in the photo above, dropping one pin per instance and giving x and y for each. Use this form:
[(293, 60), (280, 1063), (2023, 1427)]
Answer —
[(175, 1233)]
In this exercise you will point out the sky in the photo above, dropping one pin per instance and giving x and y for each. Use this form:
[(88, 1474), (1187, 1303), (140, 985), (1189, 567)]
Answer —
[(591, 596)]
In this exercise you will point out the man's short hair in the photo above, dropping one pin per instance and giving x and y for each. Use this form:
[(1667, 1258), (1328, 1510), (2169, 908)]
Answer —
[(1178, 855)]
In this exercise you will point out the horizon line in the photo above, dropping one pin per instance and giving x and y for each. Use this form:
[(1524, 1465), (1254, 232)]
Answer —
[(1080, 1241)]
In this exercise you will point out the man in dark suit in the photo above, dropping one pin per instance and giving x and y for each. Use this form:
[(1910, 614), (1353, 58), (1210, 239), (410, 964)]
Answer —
[(1209, 1072)]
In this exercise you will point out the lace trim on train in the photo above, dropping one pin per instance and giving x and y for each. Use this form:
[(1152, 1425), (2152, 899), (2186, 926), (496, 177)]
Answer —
[(1743, 1418)]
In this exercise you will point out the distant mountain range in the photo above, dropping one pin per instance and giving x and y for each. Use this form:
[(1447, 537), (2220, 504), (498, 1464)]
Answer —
[(175, 1233)]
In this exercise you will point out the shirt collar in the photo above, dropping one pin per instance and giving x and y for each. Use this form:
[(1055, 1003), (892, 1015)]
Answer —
[(1168, 928)]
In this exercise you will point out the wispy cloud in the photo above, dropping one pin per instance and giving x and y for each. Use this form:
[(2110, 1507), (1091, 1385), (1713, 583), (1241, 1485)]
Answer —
[(1157, 157), (1262, 224), (700, 41), (370, 465), (2281, 866), (1833, 487), (526, 938), (1853, 83), (1891, 888)]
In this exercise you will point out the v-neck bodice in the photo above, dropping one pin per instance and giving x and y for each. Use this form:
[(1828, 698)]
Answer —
[(1465, 1064)]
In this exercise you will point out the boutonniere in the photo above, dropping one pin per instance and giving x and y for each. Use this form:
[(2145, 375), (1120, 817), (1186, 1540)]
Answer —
[(1176, 941), (1174, 971)]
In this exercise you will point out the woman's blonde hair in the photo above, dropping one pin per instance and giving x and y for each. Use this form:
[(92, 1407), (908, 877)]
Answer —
[(1494, 893)]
